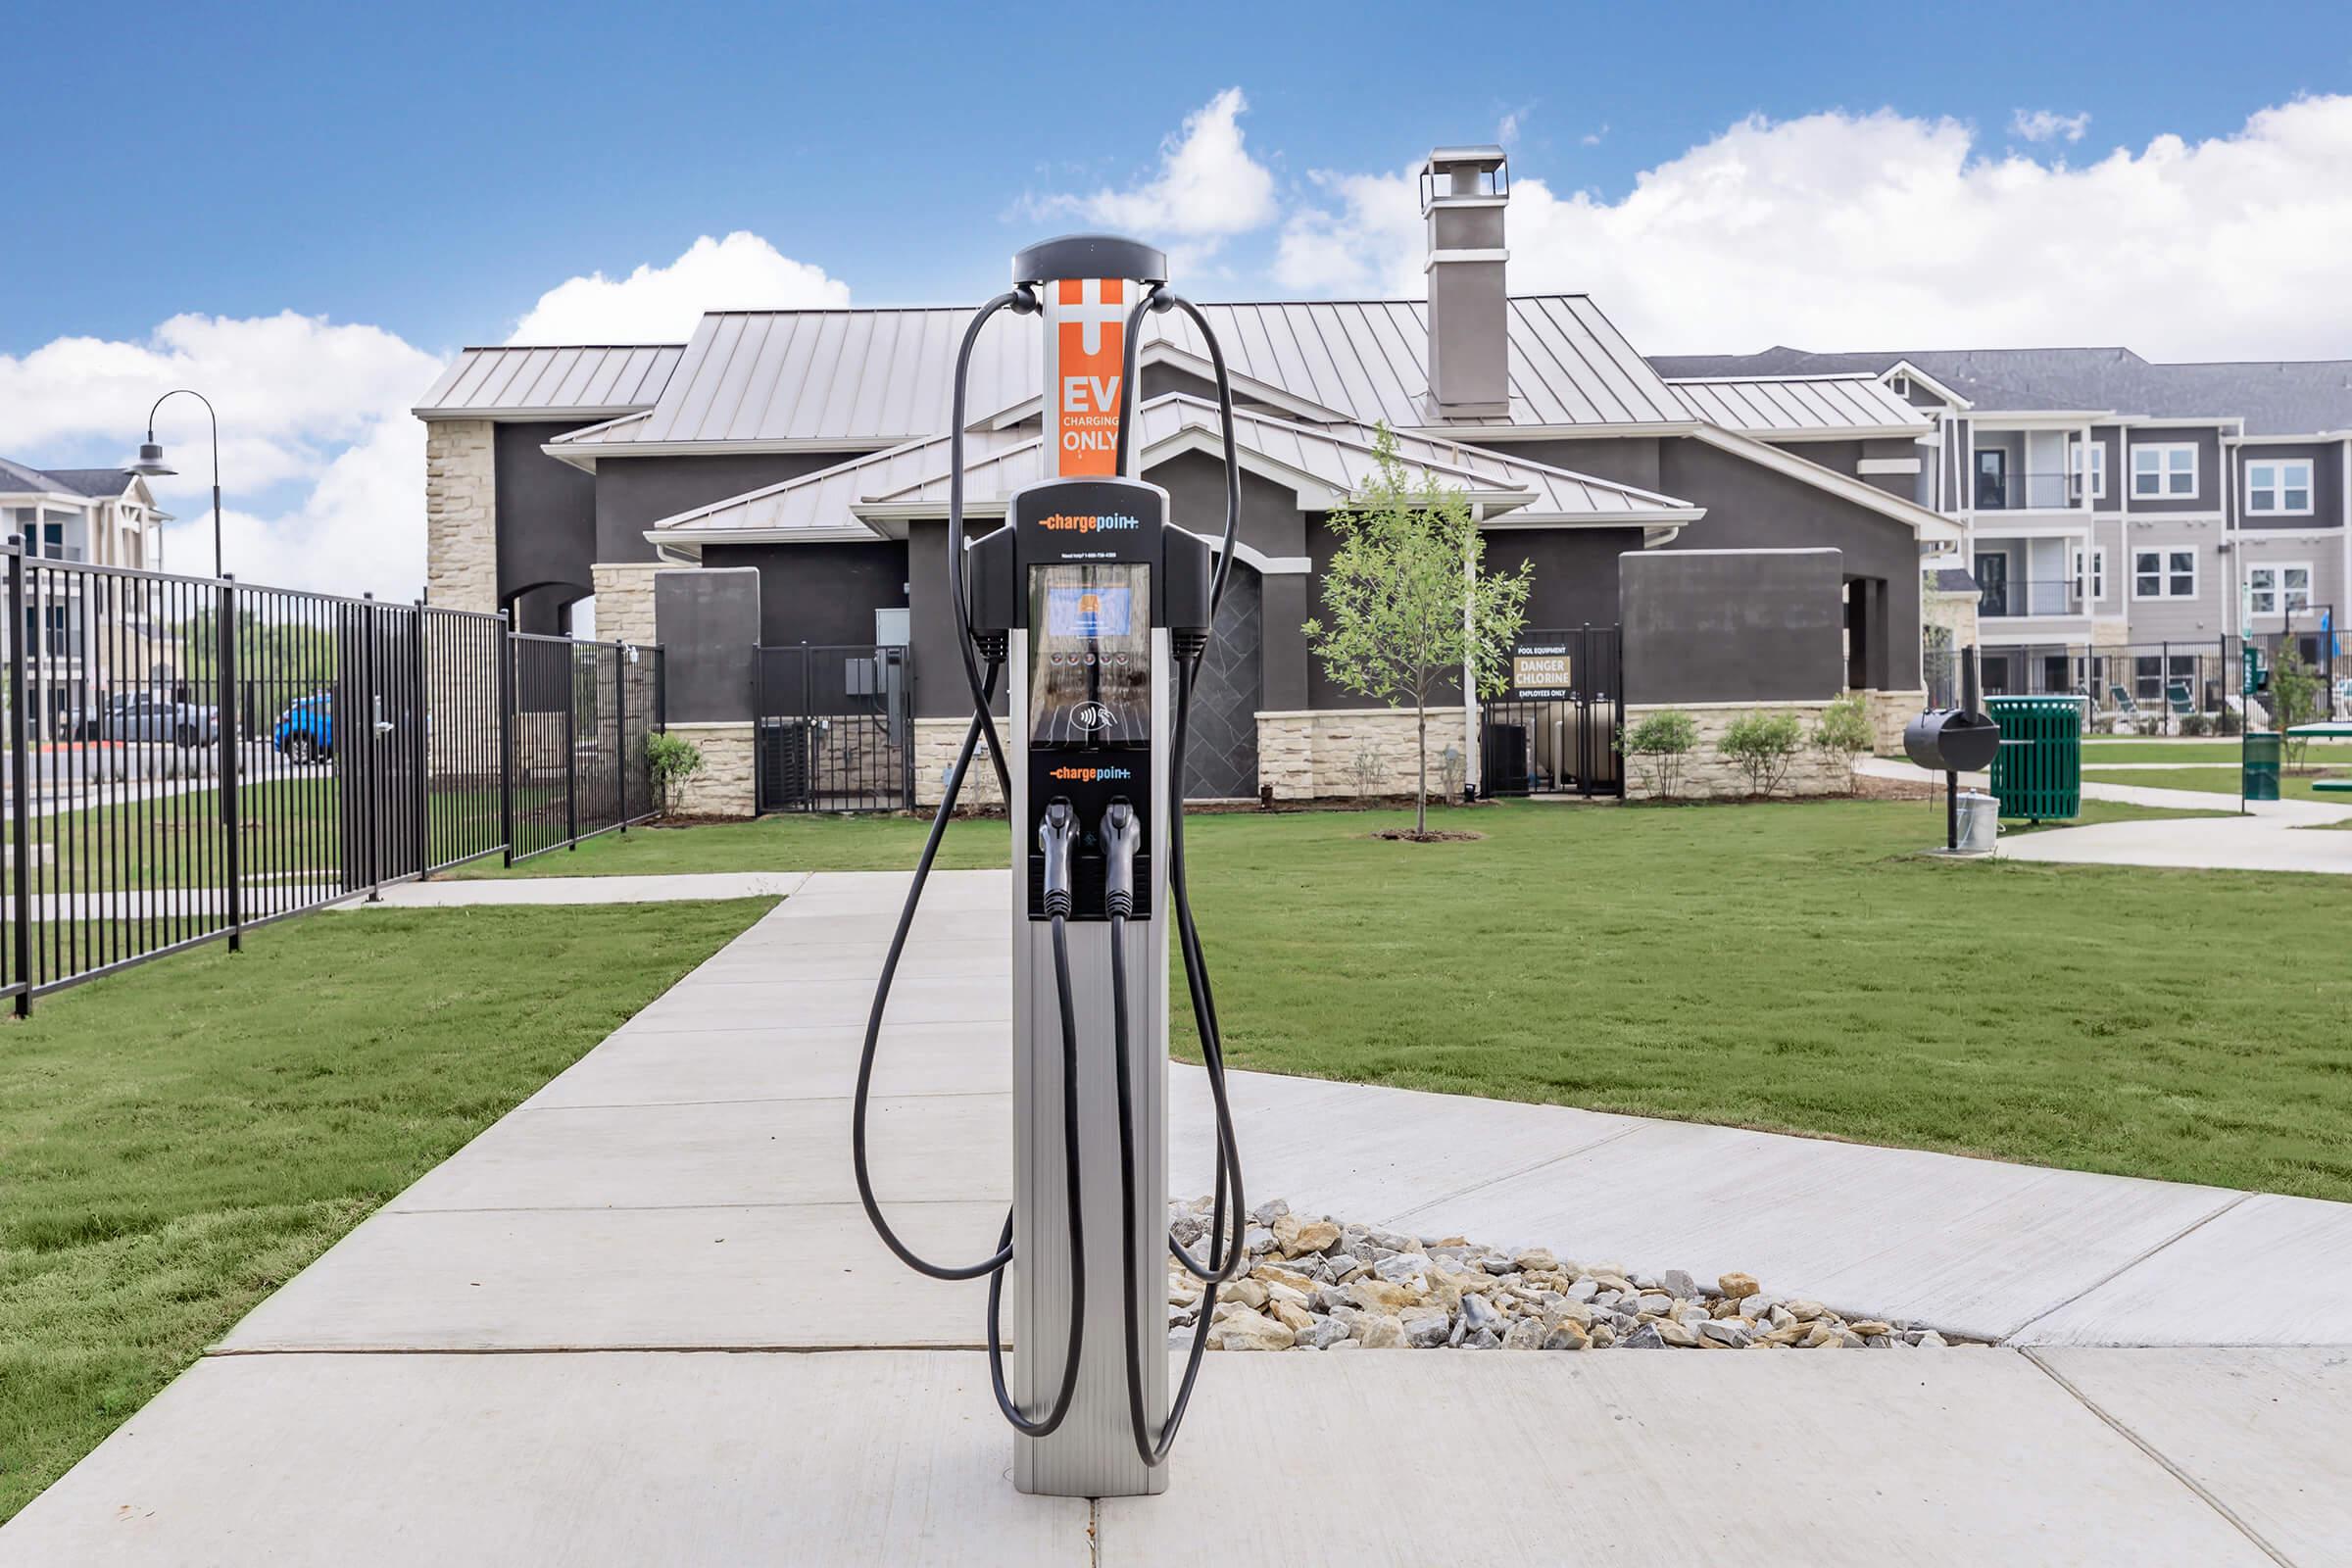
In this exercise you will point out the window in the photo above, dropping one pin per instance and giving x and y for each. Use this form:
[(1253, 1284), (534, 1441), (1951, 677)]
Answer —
[(2163, 575), (2279, 589), (2161, 472), (2097, 451), (2149, 676), (1901, 386), (2280, 485), (2090, 574)]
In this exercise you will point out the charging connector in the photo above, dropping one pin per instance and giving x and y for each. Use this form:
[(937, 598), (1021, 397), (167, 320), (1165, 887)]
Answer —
[(1122, 840), (1058, 841)]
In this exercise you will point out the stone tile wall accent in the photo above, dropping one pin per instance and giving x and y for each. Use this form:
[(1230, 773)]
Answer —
[(1888, 712), (724, 788), (1707, 774), (624, 601), (461, 515), (935, 743), (1311, 755)]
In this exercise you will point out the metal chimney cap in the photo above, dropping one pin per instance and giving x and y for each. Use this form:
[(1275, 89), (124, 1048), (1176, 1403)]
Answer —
[(1082, 256), (1483, 157)]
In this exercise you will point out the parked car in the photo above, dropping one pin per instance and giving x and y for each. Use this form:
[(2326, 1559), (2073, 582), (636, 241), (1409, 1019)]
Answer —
[(305, 731), (155, 716)]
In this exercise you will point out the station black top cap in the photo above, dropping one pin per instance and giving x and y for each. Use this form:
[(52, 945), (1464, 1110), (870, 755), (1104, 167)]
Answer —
[(1090, 256)]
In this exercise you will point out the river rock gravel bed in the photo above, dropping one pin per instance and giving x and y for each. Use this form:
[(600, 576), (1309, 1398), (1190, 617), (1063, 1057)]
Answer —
[(1324, 1285)]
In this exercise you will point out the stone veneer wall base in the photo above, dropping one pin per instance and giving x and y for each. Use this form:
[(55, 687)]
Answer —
[(1311, 753), (724, 787), (1708, 775), (461, 515)]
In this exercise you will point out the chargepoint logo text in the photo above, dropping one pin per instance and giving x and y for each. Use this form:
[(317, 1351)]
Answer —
[(1091, 775), (1112, 523)]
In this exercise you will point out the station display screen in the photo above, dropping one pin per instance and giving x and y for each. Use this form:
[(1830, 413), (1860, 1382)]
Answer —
[(1090, 655)]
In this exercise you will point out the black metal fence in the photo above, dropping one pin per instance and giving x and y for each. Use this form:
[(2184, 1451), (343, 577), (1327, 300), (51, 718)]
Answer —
[(835, 729), (2144, 683), (187, 758), (1546, 739)]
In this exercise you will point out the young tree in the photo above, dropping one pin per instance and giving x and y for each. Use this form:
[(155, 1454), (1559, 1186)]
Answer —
[(1407, 602), (2294, 700), (1662, 740)]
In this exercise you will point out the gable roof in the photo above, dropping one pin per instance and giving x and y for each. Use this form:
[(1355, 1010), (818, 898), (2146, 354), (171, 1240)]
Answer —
[(1327, 464), (857, 378), (106, 483), (1801, 408), (2273, 396)]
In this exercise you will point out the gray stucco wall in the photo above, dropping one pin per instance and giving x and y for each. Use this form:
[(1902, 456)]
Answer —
[(634, 493), (1732, 625), (708, 624), (1575, 572), (820, 593), (1751, 507), (1272, 524), (1625, 460), (940, 689), (546, 520)]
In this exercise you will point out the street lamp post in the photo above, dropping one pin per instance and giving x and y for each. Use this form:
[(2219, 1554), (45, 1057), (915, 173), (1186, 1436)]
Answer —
[(151, 461)]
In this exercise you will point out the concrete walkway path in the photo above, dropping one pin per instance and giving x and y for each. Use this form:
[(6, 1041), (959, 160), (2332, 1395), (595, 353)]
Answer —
[(633, 1267), (2270, 837), (443, 893)]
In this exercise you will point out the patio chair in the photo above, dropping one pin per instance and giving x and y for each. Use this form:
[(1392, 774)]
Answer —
[(2179, 700), (2121, 705)]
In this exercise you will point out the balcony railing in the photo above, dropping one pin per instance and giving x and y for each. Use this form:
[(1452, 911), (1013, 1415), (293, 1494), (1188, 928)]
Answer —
[(2010, 600), (2022, 492)]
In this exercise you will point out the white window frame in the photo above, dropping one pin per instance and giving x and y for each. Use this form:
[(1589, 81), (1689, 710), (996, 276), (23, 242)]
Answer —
[(2162, 472), (2098, 465), (2166, 571), (2097, 581), (2267, 579), (2281, 485)]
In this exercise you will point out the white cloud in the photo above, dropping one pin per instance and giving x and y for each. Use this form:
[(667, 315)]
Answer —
[(1207, 189), (2047, 124), (302, 401), (662, 304), (1841, 231)]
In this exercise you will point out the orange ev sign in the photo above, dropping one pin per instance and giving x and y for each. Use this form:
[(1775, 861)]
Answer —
[(1087, 338)]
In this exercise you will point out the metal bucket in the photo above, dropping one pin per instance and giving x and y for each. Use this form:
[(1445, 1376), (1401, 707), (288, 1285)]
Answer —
[(1980, 822)]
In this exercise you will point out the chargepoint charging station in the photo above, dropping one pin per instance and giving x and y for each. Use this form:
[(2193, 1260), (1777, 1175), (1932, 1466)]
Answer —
[(1096, 605)]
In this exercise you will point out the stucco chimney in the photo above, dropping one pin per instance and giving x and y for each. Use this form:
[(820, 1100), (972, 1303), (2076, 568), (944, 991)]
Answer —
[(1463, 190)]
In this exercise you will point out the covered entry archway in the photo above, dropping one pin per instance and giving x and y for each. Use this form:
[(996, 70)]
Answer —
[(1554, 730)]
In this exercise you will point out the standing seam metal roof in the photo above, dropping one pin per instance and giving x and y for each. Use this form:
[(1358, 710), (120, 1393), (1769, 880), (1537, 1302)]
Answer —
[(523, 379), (1797, 405), (878, 377)]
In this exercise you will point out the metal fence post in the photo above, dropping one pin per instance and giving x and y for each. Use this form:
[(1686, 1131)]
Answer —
[(19, 782), (621, 725), (571, 748), (506, 732), (421, 744), (225, 730)]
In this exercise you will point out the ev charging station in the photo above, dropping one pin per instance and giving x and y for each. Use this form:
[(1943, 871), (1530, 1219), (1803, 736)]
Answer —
[(1096, 605)]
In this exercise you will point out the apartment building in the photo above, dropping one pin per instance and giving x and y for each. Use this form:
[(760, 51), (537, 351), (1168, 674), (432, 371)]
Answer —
[(800, 457), (103, 516), (2127, 521)]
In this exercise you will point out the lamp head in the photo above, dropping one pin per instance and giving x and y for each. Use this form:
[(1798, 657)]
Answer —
[(151, 460)]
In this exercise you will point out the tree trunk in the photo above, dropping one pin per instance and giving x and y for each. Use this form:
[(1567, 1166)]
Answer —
[(1421, 786)]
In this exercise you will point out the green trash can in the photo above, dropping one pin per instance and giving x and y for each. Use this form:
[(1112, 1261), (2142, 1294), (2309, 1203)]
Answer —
[(2264, 752), (2038, 771)]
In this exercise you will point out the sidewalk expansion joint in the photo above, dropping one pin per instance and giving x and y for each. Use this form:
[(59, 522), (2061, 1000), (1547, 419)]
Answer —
[(2195, 1489), (2126, 1268), (1636, 1125)]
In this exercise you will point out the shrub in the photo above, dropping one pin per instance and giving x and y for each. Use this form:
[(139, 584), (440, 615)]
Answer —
[(1763, 745), (671, 761), (1366, 768), (2227, 722), (1662, 740), (2195, 724), (1843, 733), (2294, 700), (1452, 769)]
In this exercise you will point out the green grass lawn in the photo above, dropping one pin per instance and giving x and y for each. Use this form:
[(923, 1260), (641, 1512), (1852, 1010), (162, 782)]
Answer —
[(2094, 812), (2211, 780), (179, 1139), (1761, 965)]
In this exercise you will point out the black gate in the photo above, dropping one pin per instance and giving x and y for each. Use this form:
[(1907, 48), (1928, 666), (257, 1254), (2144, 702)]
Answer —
[(835, 729), (1554, 731)]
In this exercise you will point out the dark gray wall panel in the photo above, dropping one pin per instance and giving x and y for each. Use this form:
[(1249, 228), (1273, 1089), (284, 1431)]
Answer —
[(1750, 506), (546, 518), (2208, 443), (1575, 570), (708, 622), (1221, 750), (1732, 625), (820, 593), (2326, 485), (632, 494)]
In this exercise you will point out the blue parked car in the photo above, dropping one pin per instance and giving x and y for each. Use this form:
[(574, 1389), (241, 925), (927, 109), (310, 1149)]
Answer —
[(305, 731)]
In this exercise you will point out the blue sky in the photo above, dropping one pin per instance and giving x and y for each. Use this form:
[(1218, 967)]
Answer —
[(432, 169), (303, 211)]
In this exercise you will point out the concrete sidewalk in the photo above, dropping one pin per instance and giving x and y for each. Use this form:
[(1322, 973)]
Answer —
[(684, 1190), (445, 893)]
